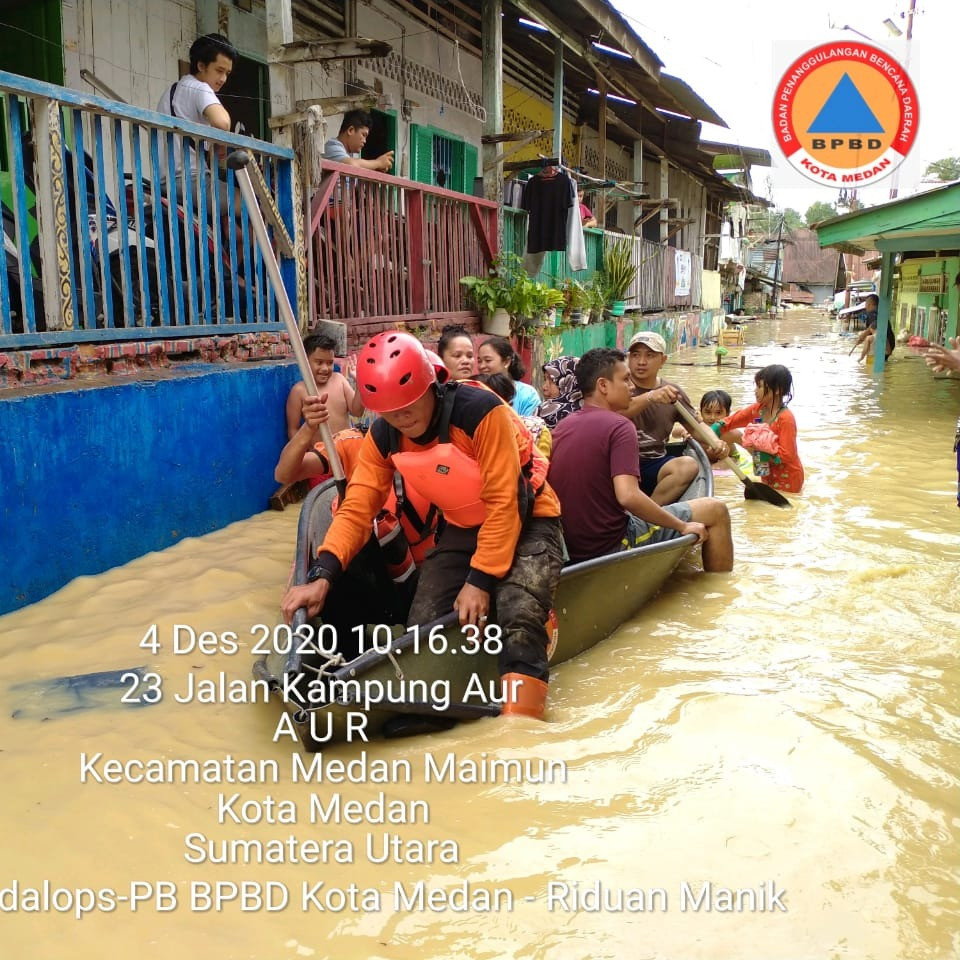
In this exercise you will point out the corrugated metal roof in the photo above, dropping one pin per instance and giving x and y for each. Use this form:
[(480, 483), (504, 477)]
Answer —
[(805, 262), (756, 156), (318, 18), (694, 105)]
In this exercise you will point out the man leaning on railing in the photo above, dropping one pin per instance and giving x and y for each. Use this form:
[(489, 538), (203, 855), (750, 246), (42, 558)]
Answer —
[(346, 146), (194, 96)]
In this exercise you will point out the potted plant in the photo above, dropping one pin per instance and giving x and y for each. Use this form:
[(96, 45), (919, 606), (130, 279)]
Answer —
[(596, 298), (552, 300), (527, 303), (619, 272), (576, 298), (493, 294)]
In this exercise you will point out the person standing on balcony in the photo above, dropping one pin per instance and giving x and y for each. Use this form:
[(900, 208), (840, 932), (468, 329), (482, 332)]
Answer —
[(194, 96), (346, 146), (586, 216)]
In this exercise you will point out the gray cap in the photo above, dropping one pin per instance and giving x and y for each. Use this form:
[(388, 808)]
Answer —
[(650, 339)]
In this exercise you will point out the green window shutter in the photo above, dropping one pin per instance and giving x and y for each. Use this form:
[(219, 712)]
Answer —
[(469, 166), (421, 153), (456, 165), (390, 119)]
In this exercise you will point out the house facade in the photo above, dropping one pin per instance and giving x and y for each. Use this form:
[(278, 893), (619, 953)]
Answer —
[(122, 309), (918, 239)]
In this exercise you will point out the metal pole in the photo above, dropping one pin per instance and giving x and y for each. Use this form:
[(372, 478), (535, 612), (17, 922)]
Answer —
[(895, 176), (776, 272), (237, 161), (492, 80), (558, 99)]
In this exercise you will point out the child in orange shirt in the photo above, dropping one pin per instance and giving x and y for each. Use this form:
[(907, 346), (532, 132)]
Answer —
[(770, 430)]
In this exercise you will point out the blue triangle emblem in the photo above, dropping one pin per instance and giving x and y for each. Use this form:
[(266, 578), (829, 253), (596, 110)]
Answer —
[(845, 112)]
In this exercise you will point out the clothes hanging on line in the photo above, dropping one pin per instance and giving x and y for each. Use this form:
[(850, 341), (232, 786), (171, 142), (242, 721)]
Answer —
[(576, 247), (548, 200)]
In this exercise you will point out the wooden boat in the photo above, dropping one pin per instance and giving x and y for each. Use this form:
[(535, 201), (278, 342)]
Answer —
[(382, 681)]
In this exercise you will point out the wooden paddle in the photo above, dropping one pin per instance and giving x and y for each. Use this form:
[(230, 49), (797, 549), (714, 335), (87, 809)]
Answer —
[(752, 489), (238, 161)]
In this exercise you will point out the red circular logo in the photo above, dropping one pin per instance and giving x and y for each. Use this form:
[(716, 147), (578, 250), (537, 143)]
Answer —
[(845, 114)]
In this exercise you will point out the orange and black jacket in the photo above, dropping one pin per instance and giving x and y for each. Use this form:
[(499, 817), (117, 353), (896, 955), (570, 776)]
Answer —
[(511, 468)]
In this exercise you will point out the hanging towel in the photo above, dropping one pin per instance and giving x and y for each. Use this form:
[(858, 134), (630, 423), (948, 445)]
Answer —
[(576, 248)]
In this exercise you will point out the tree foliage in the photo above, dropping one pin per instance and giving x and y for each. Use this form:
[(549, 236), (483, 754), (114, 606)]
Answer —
[(820, 211), (792, 219), (944, 170)]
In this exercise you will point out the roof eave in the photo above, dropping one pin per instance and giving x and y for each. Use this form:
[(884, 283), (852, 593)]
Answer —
[(611, 21)]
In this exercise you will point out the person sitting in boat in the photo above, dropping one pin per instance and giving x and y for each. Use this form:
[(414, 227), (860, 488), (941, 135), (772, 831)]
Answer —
[(770, 430), (595, 470), (455, 348), (501, 546), (496, 355), (299, 460), (561, 395), (503, 387), (664, 476), (342, 400)]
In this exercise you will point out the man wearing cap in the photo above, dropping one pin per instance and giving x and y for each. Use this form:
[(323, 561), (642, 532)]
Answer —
[(663, 477), (595, 471), (462, 449)]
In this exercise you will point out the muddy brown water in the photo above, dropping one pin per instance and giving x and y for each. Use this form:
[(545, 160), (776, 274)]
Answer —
[(786, 735)]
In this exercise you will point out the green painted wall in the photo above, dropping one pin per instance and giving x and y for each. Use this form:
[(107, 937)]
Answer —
[(680, 330), (920, 312)]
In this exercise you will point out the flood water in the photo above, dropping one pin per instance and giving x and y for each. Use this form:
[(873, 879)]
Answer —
[(790, 729)]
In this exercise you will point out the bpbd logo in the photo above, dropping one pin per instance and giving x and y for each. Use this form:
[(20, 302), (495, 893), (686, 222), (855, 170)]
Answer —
[(845, 114)]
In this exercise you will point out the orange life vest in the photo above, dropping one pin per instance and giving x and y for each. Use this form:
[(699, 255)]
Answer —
[(451, 479), (418, 518)]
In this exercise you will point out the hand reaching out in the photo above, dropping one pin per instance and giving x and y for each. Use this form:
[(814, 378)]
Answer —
[(665, 393), (350, 368), (941, 360)]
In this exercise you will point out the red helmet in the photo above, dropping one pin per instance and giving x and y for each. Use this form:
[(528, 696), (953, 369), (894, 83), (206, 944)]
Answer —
[(393, 371), (443, 374)]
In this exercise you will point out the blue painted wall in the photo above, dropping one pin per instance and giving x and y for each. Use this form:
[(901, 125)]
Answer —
[(91, 478)]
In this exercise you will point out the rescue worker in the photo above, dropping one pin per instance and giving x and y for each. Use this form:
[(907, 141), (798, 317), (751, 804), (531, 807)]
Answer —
[(500, 552)]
